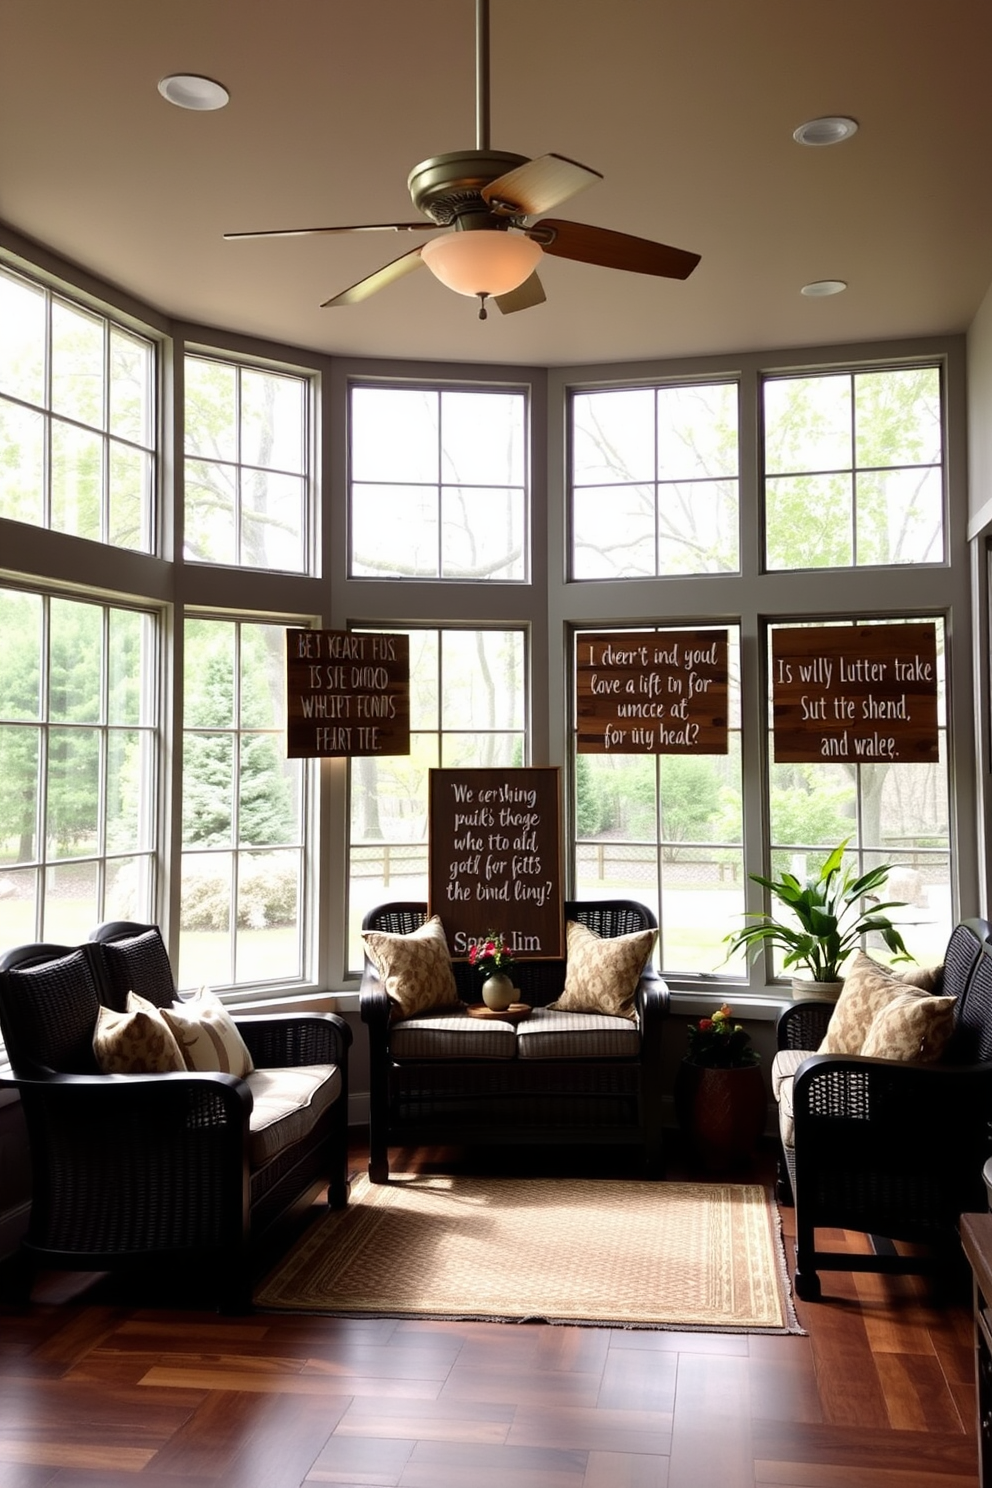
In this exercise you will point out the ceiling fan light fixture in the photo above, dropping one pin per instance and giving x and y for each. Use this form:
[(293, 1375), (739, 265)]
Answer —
[(482, 263), (820, 288), (830, 130), (188, 90)]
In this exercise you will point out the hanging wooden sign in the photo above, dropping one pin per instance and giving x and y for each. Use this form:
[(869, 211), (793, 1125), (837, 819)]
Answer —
[(860, 693), (347, 694), (495, 858), (651, 692)]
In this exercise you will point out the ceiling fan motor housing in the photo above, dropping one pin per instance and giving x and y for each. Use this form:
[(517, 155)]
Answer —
[(448, 188)]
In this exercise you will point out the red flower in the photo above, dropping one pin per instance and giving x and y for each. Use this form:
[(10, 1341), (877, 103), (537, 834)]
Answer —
[(705, 1024)]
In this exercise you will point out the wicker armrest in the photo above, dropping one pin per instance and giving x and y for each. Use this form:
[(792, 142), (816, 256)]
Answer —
[(801, 1025), (652, 1002), (375, 1006), (279, 1040), (146, 1098), (886, 1096)]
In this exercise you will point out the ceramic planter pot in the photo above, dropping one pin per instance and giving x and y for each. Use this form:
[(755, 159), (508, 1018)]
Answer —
[(721, 1112)]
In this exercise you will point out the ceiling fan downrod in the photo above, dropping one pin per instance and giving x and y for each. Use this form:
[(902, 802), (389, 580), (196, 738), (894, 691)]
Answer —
[(482, 74)]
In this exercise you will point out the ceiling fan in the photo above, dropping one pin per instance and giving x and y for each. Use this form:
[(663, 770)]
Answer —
[(485, 198)]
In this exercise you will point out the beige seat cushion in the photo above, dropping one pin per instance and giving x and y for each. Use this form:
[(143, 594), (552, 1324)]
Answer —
[(415, 969), (137, 1041), (601, 974), (288, 1103), (868, 987), (454, 1035), (548, 1034)]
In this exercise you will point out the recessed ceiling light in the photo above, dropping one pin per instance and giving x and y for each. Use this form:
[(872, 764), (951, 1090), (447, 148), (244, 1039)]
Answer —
[(189, 91), (827, 131), (823, 287)]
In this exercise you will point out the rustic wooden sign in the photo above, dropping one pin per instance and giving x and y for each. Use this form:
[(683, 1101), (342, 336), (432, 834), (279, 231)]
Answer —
[(347, 694), (495, 858), (657, 692), (860, 693)]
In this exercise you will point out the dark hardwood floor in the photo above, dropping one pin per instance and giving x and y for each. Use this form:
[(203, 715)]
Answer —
[(99, 1389)]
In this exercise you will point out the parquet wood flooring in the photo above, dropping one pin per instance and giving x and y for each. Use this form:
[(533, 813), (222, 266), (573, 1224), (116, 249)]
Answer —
[(101, 1390)]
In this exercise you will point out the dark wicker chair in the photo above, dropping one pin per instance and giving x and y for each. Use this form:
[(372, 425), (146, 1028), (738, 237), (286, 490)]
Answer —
[(157, 1170), (599, 1101), (894, 1151)]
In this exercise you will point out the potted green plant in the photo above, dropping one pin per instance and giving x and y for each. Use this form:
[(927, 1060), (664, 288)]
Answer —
[(720, 1094), (831, 912)]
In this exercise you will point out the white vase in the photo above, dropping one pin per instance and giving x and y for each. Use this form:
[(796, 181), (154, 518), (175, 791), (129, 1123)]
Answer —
[(498, 992), (804, 988)]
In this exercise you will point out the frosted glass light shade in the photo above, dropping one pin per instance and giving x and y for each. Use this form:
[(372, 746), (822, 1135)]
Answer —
[(482, 262)]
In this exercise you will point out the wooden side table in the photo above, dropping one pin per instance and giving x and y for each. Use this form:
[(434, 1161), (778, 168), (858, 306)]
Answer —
[(976, 1238)]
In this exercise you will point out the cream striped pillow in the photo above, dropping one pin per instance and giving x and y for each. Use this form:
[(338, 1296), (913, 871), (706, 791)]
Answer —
[(207, 1035)]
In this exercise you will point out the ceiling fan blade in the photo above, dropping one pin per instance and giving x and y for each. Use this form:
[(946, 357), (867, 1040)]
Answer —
[(613, 250), (381, 279), (302, 232), (531, 292), (538, 185)]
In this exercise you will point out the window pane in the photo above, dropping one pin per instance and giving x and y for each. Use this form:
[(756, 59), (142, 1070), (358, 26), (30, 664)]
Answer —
[(129, 660), (208, 789), (72, 806), (17, 907), (19, 794), (208, 674), (132, 369), (482, 680), (76, 662), (268, 944), (697, 431), (481, 751), (613, 437), (394, 532), (77, 364), (808, 423), (900, 516), (22, 464), (77, 481), (263, 675), (272, 530), (20, 654), (266, 795), (130, 498), (22, 339), (205, 920), (130, 888), (613, 532), (809, 521), (483, 438), (210, 422), (72, 903), (698, 528), (395, 435), (272, 421), (482, 533), (897, 417), (130, 797), (210, 533)]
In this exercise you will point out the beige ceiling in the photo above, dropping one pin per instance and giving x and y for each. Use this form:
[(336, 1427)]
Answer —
[(687, 109)]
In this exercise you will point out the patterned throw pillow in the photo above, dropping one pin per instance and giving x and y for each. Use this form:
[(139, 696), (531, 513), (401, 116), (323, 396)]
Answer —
[(207, 1036), (911, 1026), (601, 976), (415, 969), (135, 1042), (869, 987)]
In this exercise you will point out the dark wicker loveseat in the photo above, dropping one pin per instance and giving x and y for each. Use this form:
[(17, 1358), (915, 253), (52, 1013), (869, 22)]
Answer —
[(892, 1150), (428, 1091), (164, 1171)]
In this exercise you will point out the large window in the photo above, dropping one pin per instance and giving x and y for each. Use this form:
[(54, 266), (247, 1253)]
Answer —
[(438, 483), (896, 813), (79, 753), (853, 469), (247, 466), (654, 481), (667, 830), (77, 418), (468, 707), (242, 919)]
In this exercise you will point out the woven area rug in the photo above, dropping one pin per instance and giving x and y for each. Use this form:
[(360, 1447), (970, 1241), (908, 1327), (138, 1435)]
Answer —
[(607, 1252)]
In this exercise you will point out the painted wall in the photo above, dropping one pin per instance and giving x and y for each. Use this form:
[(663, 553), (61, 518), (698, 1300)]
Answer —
[(980, 417)]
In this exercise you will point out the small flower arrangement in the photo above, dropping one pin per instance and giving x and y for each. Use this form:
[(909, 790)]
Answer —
[(719, 1043), (491, 955)]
